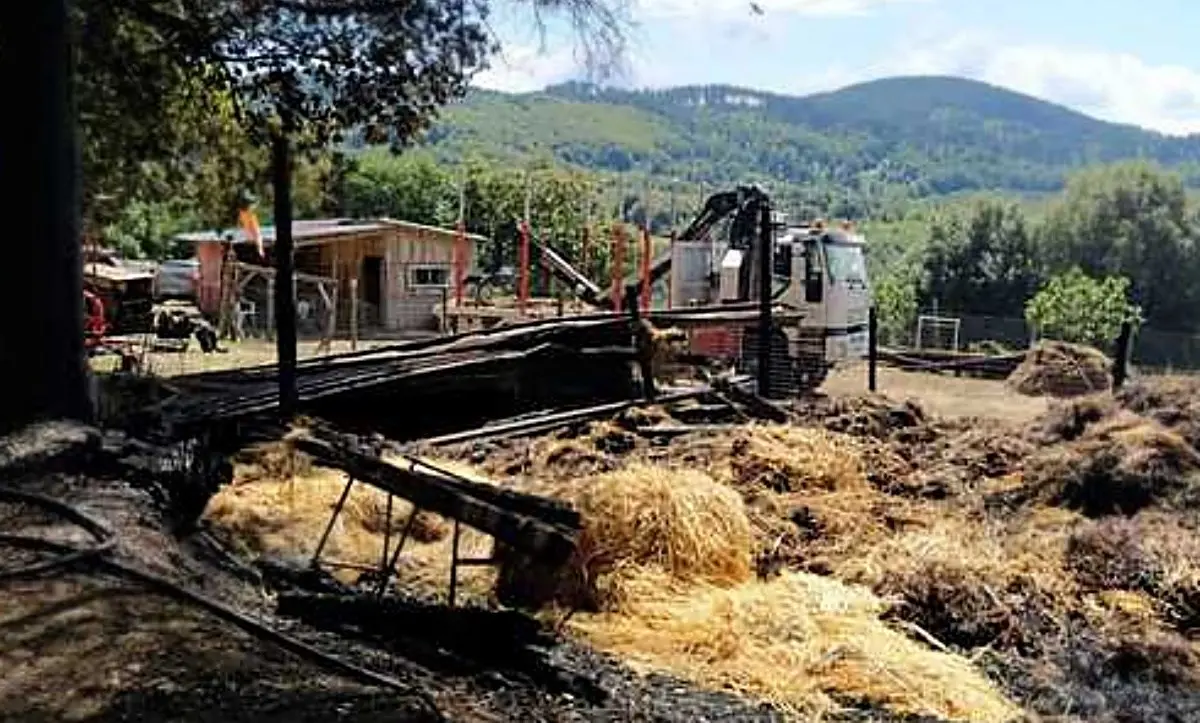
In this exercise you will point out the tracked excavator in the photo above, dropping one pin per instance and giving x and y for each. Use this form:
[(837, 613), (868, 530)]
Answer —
[(818, 271)]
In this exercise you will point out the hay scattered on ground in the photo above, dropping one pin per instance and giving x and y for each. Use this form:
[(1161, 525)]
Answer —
[(866, 415), (1059, 369), (798, 641), (784, 459), (1119, 465), (1173, 402), (279, 504), (969, 584)]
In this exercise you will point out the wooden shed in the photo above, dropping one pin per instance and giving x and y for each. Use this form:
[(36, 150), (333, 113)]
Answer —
[(398, 272)]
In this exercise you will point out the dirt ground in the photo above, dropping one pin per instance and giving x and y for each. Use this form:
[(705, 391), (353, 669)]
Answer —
[(246, 353), (944, 395)]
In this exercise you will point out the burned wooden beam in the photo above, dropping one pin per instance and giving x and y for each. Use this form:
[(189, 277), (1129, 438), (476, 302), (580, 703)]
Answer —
[(547, 540), (529, 425)]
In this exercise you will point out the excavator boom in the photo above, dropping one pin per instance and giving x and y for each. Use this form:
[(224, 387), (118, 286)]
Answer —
[(743, 203)]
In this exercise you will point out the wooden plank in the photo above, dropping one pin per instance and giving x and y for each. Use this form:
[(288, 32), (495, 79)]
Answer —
[(551, 543)]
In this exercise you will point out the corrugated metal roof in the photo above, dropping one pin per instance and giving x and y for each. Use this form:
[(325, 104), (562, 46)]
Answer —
[(313, 231)]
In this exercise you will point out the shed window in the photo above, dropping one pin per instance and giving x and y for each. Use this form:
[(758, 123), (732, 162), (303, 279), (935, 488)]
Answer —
[(438, 276)]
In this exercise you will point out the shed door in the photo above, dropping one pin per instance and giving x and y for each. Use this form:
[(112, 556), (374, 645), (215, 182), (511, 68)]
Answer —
[(372, 289)]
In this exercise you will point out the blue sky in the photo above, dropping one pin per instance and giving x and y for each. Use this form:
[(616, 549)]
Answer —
[(1128, 61)]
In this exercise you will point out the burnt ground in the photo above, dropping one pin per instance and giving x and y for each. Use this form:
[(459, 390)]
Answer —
[(86, 643)]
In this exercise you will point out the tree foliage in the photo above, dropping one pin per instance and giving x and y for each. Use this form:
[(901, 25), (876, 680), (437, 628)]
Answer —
[(981, 262), (177, 97), (1079, 308), (1130, 219)]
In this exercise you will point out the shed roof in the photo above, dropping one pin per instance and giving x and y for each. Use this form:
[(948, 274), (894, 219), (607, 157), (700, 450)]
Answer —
[(307, 233)]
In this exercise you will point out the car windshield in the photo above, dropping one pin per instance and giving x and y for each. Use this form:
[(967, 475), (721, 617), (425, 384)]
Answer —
[(845, 262)]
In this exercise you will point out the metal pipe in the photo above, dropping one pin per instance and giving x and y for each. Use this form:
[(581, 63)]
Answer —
[(454, 563), (337, 510)]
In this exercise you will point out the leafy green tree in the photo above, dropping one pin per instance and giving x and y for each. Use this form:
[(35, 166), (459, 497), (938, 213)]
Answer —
[(1079, 308), (896, 304), (983, 262), (1130, 220)]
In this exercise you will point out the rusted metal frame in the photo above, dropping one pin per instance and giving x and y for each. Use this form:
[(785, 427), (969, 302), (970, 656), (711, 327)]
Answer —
[(390, 566), (454, 563), (337, 511), (387, 536)]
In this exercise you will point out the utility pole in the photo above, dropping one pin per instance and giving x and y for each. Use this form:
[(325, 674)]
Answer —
[(285, 269)]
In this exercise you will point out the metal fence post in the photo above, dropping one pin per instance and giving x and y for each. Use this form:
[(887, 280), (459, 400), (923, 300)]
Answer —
[(872, 349)]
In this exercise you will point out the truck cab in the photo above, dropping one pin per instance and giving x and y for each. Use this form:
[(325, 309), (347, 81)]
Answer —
[(824, 275)]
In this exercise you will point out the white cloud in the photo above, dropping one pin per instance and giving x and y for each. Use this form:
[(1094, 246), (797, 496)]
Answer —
[(525, 68), (1114, 86)]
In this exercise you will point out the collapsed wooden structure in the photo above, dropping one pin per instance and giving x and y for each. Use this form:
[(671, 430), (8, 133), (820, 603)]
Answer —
[(500, 381), (444, 385)]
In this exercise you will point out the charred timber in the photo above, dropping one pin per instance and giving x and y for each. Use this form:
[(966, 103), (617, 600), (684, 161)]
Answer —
[(523, 528)]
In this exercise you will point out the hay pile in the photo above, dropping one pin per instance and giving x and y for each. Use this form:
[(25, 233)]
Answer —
[(1117, 465), (664, 563), (280, 503), (971, 584), (1059, 369), (867, 415), (803, 642), (677, 522), (809, 496), (1173, 402)]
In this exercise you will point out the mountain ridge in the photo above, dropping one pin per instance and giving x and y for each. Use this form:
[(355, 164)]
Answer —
[(907, 135)]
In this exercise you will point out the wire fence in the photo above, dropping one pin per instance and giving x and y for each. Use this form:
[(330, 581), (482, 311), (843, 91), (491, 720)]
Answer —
[(1152, 350)]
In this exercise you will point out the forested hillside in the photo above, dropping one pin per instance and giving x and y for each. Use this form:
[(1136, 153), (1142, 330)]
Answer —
[(851, 149)]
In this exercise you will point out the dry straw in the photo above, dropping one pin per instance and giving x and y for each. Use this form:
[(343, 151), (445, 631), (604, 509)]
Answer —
[(797, 641)]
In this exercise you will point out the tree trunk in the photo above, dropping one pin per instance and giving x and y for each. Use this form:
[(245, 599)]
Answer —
[(42, 366)]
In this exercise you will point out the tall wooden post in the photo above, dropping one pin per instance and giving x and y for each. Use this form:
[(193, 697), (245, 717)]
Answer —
[(42, 364), (644, 297), (285, 269), (670, 295), (765, 326), (872, 350), (460, 245), (354, 314), (523, 271), (1120, 370), (585, 251)]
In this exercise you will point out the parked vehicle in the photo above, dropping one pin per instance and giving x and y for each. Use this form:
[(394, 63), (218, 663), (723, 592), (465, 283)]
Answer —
[(177, 279)]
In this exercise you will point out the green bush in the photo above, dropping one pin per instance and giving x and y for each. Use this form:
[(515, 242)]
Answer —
[(1078, 308)]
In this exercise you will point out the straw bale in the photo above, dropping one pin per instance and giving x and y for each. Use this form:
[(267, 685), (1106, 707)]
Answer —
[(677, 521), (1059, 369), (798, 641)]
